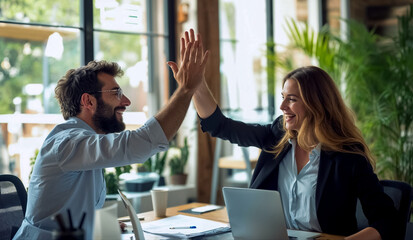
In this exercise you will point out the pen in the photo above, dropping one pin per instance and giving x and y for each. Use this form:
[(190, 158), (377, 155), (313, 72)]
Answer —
[(81, 220), (70, 219), (58, 217), (184, 227)]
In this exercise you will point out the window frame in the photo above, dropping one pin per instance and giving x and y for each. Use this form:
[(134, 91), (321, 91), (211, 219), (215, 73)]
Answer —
[(87, 30)]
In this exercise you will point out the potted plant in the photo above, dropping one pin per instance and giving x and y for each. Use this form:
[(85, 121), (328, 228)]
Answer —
[(156, 164), (177, 164), (159, 166), (112, 178)]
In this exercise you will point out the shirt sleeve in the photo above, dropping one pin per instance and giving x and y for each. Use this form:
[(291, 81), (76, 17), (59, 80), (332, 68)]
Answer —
[(81, 149)]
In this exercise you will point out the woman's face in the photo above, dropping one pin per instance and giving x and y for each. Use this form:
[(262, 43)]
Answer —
[(292, 105)]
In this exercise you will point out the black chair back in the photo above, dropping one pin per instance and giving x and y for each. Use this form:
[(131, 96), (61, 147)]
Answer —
[(13, 201), (401, 194)]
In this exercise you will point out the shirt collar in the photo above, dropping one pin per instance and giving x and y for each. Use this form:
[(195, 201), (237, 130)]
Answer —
[(80, 122), (313, 154)]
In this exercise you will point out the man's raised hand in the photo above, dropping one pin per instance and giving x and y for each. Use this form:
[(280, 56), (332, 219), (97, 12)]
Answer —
[(191, 71)]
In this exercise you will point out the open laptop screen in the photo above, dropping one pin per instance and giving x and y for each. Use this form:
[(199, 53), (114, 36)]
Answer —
[(258, 214)]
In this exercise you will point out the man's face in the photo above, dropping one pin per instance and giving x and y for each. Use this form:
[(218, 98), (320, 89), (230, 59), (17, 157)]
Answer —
[(105, 118), (108, 116)]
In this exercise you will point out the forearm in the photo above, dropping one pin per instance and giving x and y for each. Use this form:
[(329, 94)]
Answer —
[(172, 115), (365, 234), (205, 103)]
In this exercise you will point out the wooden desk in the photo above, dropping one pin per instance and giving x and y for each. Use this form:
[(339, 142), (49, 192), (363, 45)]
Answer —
[(217, 215)]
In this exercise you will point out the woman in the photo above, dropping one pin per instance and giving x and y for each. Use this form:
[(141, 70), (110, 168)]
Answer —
[(314, 155)]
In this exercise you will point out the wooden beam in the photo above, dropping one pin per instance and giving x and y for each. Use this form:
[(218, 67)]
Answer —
[(208, 26), (231, 162), (34, 33)]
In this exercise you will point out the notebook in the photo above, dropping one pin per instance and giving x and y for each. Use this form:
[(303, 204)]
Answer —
[(258, 214), (136, 224)]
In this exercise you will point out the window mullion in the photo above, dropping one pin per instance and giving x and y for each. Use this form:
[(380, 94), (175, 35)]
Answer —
[(270, 59), (171, 43), (86, 21), (149, 23)]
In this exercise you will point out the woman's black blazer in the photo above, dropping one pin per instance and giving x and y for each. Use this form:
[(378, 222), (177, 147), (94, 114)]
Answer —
[(342, 177)]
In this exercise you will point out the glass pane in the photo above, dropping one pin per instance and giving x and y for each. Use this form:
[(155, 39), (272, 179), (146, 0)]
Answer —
[(131, 53), (227, 19), (243, 55), (32, 65), (159, 15), (160, 77), (57, 12), (120, 15), (243, 76)]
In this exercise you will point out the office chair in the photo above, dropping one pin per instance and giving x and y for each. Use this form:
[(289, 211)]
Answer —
[(401, 194), (13, 201)]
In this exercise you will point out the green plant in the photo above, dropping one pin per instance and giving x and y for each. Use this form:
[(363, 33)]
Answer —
[(318, 45), (112, 179), (154, 164), (32, 161), (112, 182), (393, 118), (146, 166), (375, 75), (160, 159), (178, 162), (123, 169)]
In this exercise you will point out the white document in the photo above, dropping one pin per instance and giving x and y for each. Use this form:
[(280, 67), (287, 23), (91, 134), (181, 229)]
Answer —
[(206, 208), (179, 222), (136, 225)]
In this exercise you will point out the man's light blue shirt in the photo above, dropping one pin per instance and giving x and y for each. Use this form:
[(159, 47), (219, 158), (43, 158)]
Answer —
[(298, 190), (68, 172)]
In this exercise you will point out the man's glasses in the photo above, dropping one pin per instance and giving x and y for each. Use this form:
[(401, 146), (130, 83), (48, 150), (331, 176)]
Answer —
[(119, 92)]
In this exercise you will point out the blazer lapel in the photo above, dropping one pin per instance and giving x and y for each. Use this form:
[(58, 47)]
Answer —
[(323, 172), (269, 167)]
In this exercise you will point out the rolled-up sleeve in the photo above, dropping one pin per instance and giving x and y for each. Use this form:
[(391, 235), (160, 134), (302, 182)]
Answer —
[(154, 131)]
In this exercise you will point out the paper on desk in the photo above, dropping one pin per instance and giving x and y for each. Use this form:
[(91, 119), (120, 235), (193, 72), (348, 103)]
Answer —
[(203, 227), (201, 210), (206, 208)]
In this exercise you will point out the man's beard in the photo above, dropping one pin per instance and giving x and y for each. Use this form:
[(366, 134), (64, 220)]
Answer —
[(104, 123)]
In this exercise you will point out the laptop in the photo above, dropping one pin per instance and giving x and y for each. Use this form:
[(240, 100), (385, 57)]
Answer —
[(258, 214)]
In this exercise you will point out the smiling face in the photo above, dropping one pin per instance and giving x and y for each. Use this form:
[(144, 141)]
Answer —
[(109, 113), (292, 105)]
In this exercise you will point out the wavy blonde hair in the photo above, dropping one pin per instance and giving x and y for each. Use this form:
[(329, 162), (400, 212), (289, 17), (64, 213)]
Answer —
[(328, 120)]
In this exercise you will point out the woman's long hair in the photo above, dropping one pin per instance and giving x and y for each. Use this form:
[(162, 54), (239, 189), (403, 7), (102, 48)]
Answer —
[(328, 120)]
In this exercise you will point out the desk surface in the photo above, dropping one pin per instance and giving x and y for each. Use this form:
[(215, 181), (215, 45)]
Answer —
[(219, 215)]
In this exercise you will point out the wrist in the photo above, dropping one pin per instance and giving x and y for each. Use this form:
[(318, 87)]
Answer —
[(202, 89), (183, 91)]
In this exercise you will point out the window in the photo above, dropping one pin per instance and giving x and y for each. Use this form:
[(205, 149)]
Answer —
[(125, 33), (40, 40), (243, 46)]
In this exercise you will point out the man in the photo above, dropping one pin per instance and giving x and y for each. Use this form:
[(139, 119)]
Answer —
[(68, 171)]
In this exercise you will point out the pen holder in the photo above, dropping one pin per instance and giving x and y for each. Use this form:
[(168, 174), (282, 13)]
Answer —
[(76, 234)]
